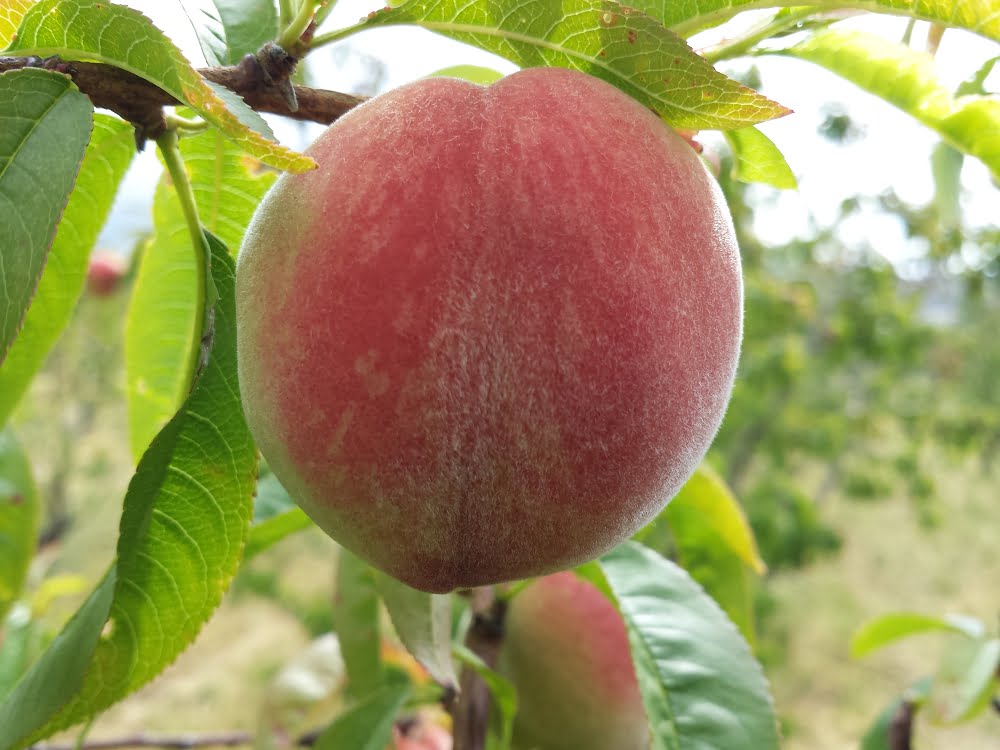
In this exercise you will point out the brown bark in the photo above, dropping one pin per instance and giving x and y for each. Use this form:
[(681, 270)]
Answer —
[(264, 86), (901, 727), (471, 710)]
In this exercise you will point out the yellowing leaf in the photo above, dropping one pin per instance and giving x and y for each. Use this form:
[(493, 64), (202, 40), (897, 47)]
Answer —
[(706, 497), (11, 12)]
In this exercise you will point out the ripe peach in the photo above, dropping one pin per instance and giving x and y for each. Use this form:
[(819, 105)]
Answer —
[(104, 273), (567, 653), (496, 329), (421, 735)]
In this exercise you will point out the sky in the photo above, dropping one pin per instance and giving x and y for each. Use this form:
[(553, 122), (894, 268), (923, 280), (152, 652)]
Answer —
[(893, 154)]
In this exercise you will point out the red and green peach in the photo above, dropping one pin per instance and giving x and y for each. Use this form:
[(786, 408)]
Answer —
[(567, 653), (496, 329)]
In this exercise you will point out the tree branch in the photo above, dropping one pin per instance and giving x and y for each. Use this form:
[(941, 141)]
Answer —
[(180, 742), (901, 728), (471, 711), (175, 742), (140, 102)]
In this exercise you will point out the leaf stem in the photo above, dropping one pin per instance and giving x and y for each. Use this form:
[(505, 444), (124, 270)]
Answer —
[(908, 34), (286, 12), (934, 34), (188, 125), (740, 45), (82, 737), (337, 34), (289, 38), (206, 295), (324, 11)]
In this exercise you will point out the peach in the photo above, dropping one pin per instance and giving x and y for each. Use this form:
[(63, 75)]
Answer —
[(104, 273), (421, 735), (496, 329), (567, 653)]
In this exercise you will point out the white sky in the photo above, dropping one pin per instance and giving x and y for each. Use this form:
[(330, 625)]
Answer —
[(894, 153)]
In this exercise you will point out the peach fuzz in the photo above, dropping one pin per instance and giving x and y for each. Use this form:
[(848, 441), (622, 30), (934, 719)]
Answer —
[(495, 331)]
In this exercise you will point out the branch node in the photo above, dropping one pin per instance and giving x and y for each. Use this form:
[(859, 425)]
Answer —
[(276, 63), (58, 65), (272, 67)]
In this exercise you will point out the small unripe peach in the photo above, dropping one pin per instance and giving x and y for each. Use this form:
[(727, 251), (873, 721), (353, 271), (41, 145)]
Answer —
[(496, 329), (567, 653), (104, 273)]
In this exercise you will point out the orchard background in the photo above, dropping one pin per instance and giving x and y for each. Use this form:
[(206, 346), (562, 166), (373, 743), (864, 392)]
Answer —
[(860, 441)]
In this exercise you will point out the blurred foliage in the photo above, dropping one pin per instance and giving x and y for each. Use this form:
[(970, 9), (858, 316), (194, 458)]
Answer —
[(851, 370), (838, 126)]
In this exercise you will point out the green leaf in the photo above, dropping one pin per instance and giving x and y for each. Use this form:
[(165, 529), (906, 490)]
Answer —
[(46, 126), (981, 16), (727, 580), (907, 79), (58, 674), (20, 630), (976, 83), (504, 706), (757, 159), (23, 630), (108, 155), (713, 542), (54, 588), (471, 73), (271, 499), (965, 681), (610, 41), (162, 309), (229, 29), (701, 686), (183, 526), (243, 111), (274, 529), (114, 34), (227, 186), (423, 623), (946, 166), (275, 516), (11, 12), (877, 736), (974, 127), (886, 629), (356, 620), (706, 502), (368, 725), (19, 510)]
